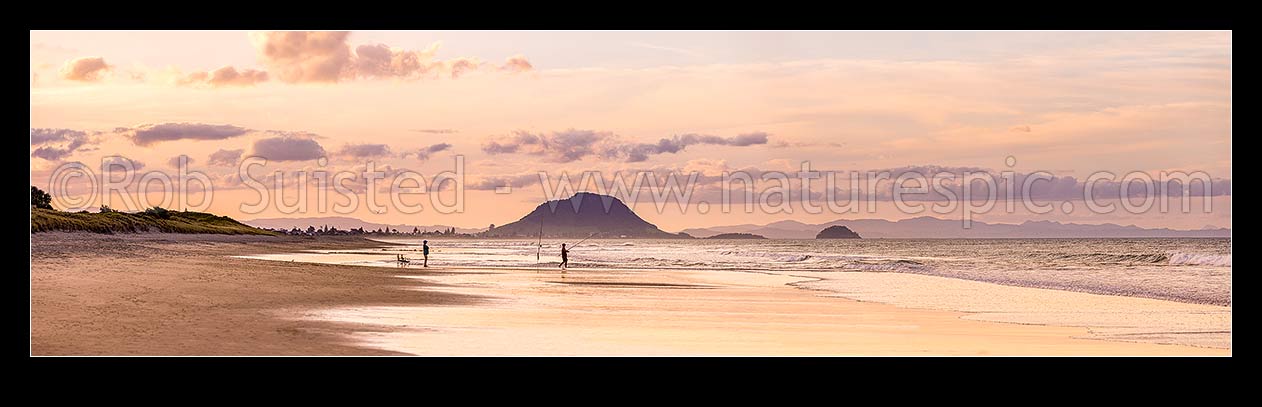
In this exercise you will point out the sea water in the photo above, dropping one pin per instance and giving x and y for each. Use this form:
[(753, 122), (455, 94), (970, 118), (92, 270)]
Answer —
[(1196, 270)]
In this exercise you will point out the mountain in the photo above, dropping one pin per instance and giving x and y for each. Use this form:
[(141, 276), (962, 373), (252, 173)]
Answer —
[(579, 216), (837, 232), (343, 223), (929, 227)]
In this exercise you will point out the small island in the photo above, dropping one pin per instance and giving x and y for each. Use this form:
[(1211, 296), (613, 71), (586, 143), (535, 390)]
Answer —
[(736, 236), (837, 232)]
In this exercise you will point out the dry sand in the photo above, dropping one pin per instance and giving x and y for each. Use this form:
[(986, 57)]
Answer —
[(186, 295)]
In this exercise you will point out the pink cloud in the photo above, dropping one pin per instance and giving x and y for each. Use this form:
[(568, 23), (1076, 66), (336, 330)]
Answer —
[(572, 145), (304, 56), (517, 63), (147, 134), (364, 150), (226, 76), (301, 57), (459, 66), (86, 69), (225, 158), (288, 148), (381, 61)]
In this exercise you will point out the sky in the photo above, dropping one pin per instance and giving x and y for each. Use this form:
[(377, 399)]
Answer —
[(510, 104)]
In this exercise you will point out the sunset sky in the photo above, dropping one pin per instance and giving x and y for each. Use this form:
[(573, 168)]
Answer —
[(514, 103)]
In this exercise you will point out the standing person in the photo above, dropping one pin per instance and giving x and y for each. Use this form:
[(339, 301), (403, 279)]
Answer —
[(565, 258), (425, 252)]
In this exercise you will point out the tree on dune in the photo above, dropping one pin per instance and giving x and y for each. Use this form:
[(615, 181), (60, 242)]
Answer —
[(41, 199)]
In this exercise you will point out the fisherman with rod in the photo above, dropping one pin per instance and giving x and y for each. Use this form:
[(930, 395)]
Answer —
[(565, 258)]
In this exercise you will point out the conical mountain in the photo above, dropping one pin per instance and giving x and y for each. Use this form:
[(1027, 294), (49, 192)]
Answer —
[(581, 215)]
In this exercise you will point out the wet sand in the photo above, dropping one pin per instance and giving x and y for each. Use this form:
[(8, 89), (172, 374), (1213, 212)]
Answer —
[(188, 295), (169, 294), (671, 312)]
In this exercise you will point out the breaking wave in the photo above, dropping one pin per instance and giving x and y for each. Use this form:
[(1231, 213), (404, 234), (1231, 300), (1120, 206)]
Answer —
[(1200, 259)]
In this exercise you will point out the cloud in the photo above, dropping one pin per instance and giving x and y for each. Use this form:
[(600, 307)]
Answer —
[(288, 148), (512, 144), (711, 183), (375, 60), (174, 162), (1021, 129), (801, 144), (46, 136), (381, 61), (424, 153), (571, 145), (147, 134), (516, 63), (706, 166), (435, 131), (304, 57), (742, 140), (226, 76), (225, 158), (51, 153), (1047, 188), (364, 150), (116, 162), (85, 69), (558, 146), (492, 182), (459, 66), (56, 143)]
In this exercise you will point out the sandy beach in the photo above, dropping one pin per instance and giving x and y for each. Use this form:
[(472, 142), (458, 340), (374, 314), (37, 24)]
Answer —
[(169, 294), (160, 294)]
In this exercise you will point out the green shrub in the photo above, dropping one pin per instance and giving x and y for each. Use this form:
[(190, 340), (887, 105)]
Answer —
[(158, 212), (151, 220), (41, 199)]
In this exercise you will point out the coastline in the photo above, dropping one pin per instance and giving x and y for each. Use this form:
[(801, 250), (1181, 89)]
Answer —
[(160, 294)]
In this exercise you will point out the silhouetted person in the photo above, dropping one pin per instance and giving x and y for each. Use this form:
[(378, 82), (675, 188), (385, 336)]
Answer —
[(425, 252), (565, 258)]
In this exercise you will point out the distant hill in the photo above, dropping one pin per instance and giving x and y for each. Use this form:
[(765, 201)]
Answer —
[(344, 223), (736, 236), (46, 220), (579, 216), (837, 232), (928, 227)]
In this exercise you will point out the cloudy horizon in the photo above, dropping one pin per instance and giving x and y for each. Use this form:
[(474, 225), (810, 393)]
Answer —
[(511, 104)]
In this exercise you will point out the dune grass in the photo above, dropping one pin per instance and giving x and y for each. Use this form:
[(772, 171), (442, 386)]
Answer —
[(45, 220)]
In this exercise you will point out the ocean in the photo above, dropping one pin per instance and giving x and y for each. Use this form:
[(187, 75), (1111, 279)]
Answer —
[(1190, 270)]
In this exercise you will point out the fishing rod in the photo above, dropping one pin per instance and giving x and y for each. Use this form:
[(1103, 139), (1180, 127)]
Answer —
[(581, 241), (539, 253)]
